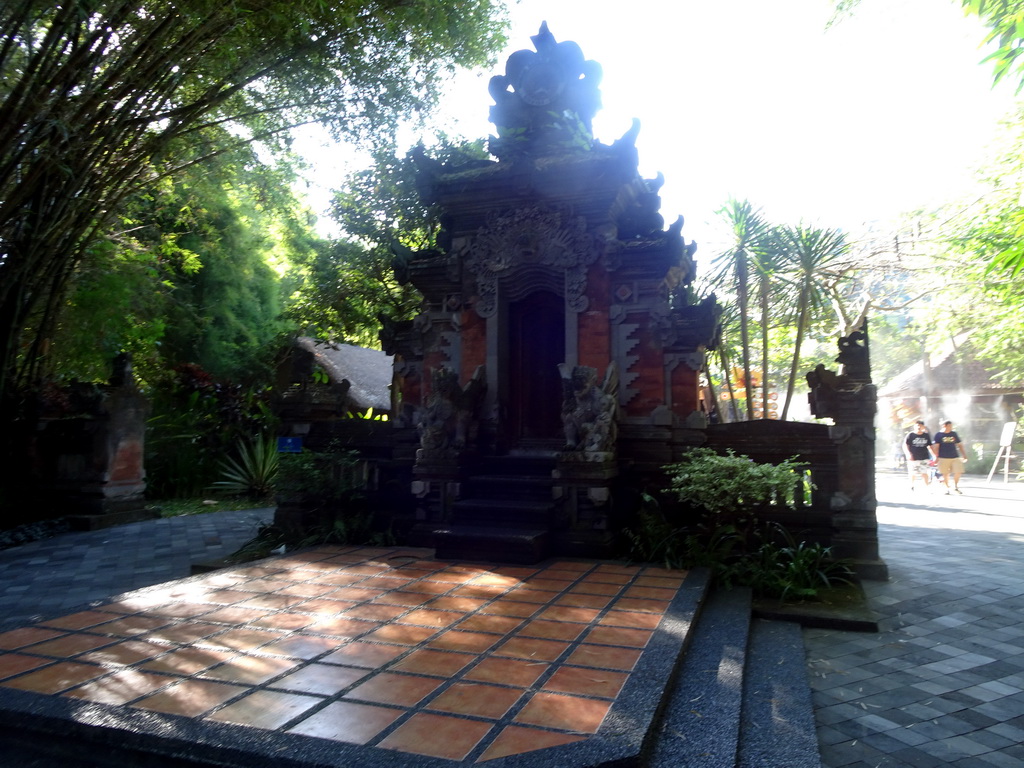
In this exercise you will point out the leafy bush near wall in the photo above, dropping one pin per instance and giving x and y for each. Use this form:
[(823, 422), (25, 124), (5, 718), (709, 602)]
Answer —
[(732, 485), (719, 527)]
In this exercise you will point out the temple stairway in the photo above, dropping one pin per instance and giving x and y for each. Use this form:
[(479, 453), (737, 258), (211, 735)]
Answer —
[(505, 513)]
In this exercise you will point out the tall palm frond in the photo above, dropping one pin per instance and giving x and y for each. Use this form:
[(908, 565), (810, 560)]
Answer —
[(748, 230), (807, 253)]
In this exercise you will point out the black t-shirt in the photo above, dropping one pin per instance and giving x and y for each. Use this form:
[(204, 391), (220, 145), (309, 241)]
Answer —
[(947, 444), (918, 446)]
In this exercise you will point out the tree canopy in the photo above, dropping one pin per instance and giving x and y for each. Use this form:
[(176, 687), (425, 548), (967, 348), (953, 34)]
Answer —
[(190, 274), (975, 246), (96, 95)]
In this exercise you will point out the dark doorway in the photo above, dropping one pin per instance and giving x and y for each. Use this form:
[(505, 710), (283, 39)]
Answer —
[(536, 347)]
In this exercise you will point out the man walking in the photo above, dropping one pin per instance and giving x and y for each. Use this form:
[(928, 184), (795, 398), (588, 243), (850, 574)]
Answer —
[(949, 450), (917, 449)]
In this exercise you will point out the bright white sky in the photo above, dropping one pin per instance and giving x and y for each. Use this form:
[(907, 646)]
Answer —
[(888, 111)]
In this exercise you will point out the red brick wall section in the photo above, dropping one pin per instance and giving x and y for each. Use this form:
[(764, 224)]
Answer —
[(685, 390), (650, 384), (412, 392), (595, 347), (474, 344)]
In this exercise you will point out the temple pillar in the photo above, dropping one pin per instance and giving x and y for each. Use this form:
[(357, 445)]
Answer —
[(849, 399)]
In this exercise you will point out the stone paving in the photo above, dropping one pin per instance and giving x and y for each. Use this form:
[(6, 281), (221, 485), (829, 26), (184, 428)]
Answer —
[(942, 683), (45, 578), (340, 656)]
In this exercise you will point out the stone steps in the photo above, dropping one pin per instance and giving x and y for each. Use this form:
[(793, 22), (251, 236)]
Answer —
[(741, 697), (505, 514), (505, 544)]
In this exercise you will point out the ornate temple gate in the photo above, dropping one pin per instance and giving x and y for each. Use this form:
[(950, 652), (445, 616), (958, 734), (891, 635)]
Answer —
[(554, 370), (556, 354)]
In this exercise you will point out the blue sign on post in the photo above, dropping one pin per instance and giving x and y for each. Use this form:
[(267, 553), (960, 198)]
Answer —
[(289, 445)]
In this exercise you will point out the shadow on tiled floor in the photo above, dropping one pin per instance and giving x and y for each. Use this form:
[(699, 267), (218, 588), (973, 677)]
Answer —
[(339, 652)]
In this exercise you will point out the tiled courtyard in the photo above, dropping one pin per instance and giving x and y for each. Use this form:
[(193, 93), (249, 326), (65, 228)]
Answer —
[(378, 650)]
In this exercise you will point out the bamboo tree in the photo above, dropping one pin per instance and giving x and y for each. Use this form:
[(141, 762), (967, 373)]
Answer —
[(94, 93)]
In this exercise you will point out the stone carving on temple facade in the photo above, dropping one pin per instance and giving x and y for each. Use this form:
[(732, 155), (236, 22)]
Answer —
[(448, 421), (833, 392), (513, 241), (642, 218), (589, 412), (688, 325)]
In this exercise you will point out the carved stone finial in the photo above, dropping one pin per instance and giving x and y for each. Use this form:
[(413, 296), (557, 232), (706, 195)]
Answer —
[(854, 356), (829, 390), (546, 100)]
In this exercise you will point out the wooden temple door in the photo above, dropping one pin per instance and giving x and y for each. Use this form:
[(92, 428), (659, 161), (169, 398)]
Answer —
[(536, 346)]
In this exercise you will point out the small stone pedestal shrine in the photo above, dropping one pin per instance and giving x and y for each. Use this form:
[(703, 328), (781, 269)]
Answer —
[(556, 360), (90, 460)]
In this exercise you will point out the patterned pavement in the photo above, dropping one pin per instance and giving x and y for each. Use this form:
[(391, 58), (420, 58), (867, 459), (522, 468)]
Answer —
[(44, 578), (942, 683)]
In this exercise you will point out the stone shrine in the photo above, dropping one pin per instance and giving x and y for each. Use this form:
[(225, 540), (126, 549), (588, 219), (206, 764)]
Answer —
[(555, 363)]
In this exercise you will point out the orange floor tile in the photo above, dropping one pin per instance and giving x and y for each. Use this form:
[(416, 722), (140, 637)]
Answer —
[(383, 648)]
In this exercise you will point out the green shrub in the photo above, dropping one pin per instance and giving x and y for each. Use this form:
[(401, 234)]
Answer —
[(196, 421), (325, 478), (325, 491), (780, 567), (734, 484), (255, 471), (722, 531)]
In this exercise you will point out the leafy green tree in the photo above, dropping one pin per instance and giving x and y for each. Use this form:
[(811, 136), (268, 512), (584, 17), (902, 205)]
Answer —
[(1005, 20), (192, 275), (344, 288), (95, 93), (975, 247), (770, 289)]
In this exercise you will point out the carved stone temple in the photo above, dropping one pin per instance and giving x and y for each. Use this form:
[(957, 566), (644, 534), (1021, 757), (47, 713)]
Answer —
[(555, 364)]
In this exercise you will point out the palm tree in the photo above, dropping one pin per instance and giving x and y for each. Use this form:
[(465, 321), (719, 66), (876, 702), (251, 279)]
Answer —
[(767, 265), (808, 253), (748, 231)]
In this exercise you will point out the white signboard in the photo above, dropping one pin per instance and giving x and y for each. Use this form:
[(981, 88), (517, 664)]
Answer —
[(1006, 439)]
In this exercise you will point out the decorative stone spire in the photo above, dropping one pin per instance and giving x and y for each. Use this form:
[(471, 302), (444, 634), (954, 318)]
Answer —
[(546, 100)]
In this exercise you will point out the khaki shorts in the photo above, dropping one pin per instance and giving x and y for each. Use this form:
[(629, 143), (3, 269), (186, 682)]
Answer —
[(918, 467), (953, 467)]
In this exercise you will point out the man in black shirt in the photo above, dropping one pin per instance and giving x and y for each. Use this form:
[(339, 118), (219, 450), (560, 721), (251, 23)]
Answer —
[(916, 448), (949, 450)]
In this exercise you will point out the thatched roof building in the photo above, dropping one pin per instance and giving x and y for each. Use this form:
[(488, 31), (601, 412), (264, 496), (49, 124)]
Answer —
[(338, 378), (957, 384)]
